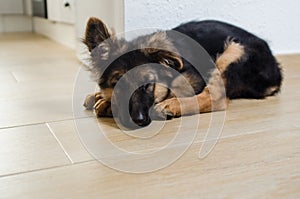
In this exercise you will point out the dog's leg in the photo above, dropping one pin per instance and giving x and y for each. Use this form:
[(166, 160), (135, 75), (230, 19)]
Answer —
[(97, 102), (201, 103), (213, 97), (233, 53)]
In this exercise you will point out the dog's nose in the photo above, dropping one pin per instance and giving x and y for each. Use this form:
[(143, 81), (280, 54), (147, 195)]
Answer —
[(142, 120)]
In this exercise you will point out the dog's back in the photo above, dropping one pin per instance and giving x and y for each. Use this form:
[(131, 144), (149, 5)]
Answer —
[(256, 75)]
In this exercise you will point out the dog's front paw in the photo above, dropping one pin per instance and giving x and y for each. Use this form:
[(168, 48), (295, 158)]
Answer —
[(103, 108), (168, 109), (89, 102)]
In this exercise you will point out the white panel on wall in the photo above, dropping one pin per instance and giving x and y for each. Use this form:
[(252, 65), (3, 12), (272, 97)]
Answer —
[(53, 10), (11, 6), (15, 23), (68, 11), (61, 10), (274, 20)]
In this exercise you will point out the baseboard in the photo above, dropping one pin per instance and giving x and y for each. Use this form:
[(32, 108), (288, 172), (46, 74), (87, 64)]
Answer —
[(60, 32), (15, 23)]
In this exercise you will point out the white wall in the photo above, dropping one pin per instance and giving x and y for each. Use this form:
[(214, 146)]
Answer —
[(60, 27), (15, 16), (15, 23), (276, 21), (111, 12)]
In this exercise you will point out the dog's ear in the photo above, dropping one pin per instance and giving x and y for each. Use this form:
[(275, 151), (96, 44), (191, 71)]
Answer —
[(168, 58), (95, 33), (161, 49)]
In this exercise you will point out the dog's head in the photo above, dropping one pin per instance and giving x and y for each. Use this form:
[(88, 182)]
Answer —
[(112, 57)]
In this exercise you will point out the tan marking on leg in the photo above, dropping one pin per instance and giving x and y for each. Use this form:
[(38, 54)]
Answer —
[(187, 106), (207, 102), (233, 53), (216, 85), (212, 98)]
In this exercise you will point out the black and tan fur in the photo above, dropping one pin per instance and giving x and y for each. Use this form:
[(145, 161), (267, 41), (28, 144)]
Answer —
[(245, 66)]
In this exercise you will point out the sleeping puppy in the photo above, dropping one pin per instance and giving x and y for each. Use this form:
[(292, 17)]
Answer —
[(245, 67)]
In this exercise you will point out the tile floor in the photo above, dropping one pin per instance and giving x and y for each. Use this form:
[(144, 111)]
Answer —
[(42, 155)]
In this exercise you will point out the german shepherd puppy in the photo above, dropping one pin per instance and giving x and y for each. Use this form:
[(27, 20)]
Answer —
[(244, 62)]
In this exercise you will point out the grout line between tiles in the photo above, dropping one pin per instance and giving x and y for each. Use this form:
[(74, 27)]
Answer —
[(22, 125), (38, 123), (44, 169), (72, 77), (233, 135), (59, 142)]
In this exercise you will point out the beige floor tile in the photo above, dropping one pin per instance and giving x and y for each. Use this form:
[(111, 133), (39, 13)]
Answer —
[(23, 44), (264, 167), (47, 71), (33, 51), (35, 89), (38, 105), (290, 65), (39, 80), (8, 78), (29, 148), (66, 133), (91, 128), (35, 110)]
